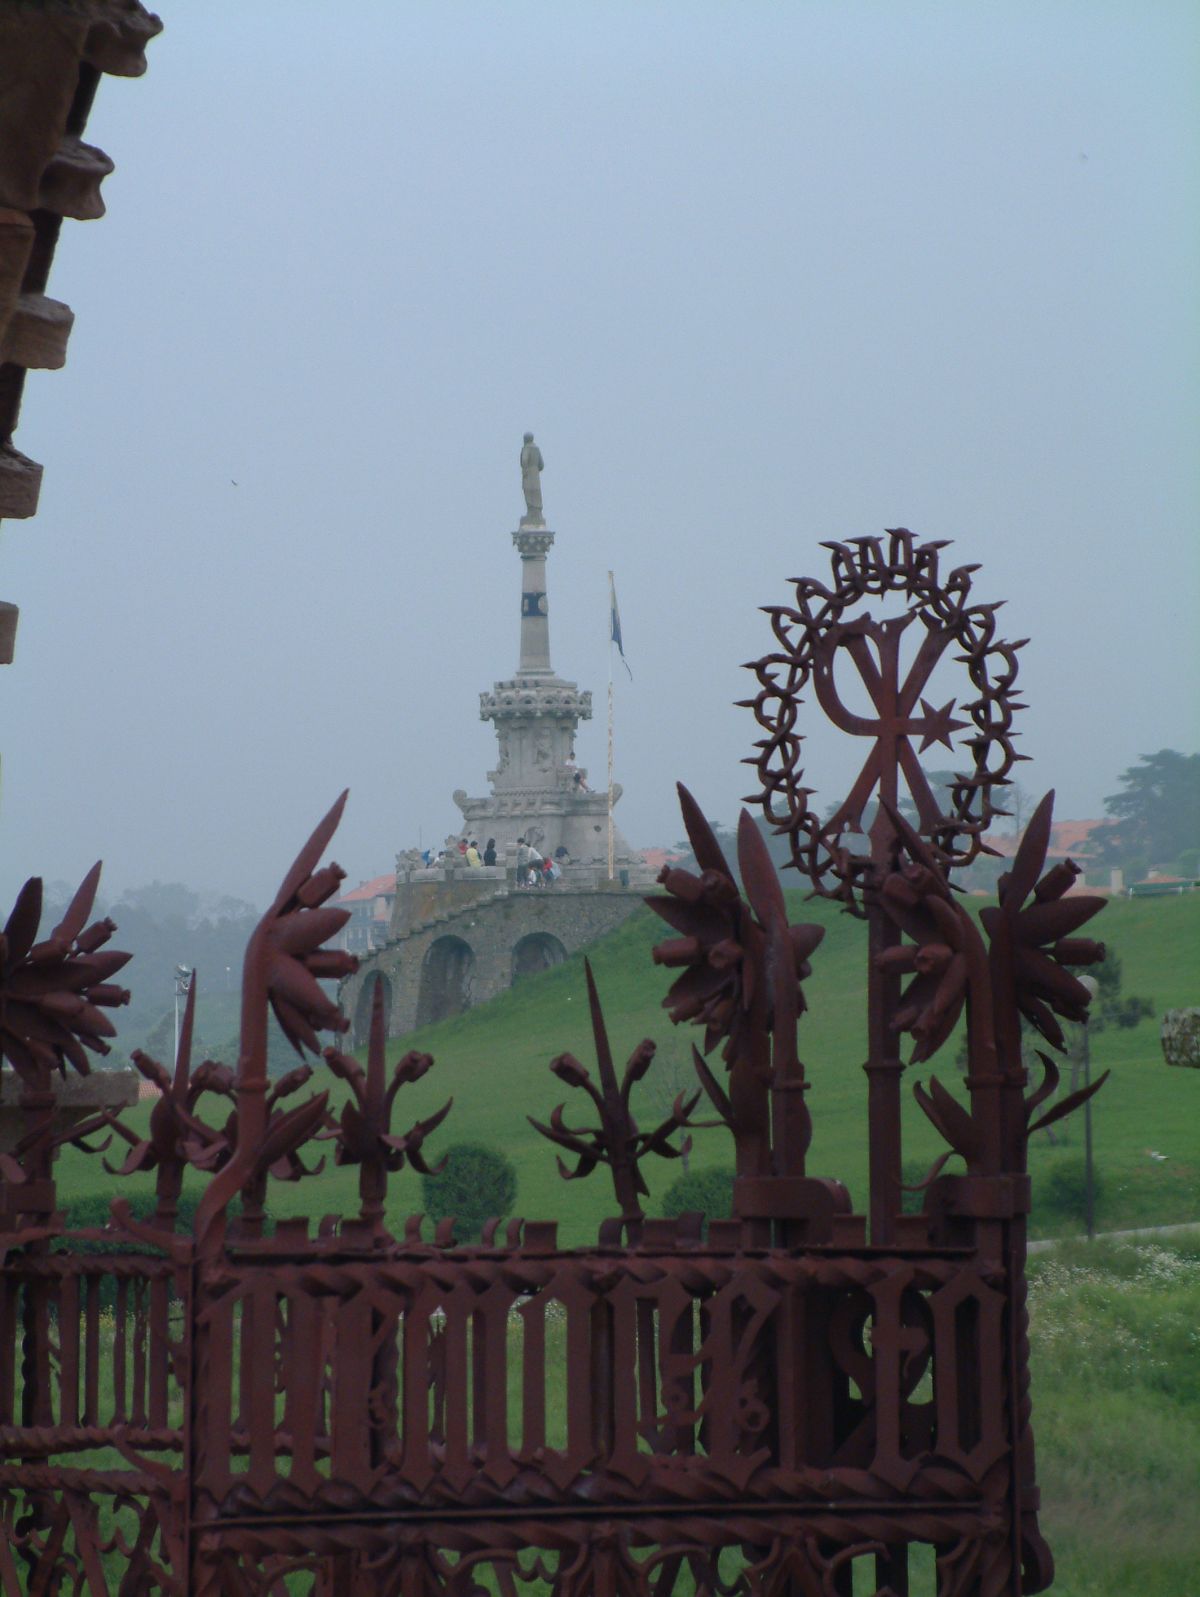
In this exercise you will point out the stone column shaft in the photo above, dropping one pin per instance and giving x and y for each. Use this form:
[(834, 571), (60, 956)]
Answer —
[(535, 617)]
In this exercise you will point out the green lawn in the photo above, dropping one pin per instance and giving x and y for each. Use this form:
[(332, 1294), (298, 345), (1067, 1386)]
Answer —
[(493, 1061)]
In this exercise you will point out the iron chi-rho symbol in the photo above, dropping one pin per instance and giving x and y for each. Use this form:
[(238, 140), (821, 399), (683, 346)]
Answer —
[(815, 635), (874, 647)]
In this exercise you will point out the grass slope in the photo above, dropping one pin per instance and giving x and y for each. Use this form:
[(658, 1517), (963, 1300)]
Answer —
[(493, 1061), (1116, 1401)]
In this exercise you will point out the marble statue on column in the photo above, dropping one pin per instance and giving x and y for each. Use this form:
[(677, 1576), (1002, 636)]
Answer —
[(532, 466)]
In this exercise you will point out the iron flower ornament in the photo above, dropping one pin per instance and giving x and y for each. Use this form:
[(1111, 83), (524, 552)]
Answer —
[(1031, 932), (737, 958), (53, 994), (293, 933)]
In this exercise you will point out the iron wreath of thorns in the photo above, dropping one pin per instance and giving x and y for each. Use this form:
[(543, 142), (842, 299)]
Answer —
[(812, 634)]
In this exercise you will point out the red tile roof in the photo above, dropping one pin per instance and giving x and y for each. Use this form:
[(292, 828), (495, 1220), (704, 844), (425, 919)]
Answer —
[(656, 858), (1066, 838), (367, 890)]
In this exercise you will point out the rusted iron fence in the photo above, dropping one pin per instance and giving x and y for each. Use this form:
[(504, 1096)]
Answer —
[(793, 1399)]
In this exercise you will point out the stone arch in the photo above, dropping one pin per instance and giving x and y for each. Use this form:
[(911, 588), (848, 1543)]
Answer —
[(446, 975), (537, 951), (362, 1008)]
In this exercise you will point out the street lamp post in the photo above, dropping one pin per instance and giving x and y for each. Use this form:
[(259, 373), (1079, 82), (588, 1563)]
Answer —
[(1089, 1187), (183, 980)]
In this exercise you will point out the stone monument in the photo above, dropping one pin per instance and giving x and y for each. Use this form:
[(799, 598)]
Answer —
[(460, 933), (539, 792)]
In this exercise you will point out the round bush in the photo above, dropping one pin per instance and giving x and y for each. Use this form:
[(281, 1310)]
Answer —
[(475, 1184), (709, 1190)]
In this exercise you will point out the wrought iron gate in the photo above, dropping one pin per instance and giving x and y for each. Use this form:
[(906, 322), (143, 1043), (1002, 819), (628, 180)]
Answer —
[(793, 1398)]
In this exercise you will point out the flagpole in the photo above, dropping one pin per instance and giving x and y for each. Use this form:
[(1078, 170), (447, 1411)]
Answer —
[(611, 601)]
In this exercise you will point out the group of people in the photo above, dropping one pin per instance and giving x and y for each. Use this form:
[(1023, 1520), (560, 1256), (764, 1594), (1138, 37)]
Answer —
[(533, 870), (468, 853)]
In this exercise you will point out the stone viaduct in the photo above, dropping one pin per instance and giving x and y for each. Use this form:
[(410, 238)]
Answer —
[(464, 954)]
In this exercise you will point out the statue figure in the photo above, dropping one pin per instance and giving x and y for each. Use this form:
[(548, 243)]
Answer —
[(532, 466)]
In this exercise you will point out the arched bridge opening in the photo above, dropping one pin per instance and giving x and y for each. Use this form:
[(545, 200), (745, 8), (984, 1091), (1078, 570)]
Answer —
[(362, 1009), (538, 951), (445, 980)]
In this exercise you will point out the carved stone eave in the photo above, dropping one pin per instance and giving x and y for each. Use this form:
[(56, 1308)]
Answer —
[(521, 698), (20, 484), (9, 616), (522, 800), (52, 54), (118, 33), (16, 241), (533, 542), (70, 183), (37, 333)]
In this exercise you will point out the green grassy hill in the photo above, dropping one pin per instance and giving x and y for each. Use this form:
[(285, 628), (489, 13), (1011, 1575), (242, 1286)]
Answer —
[(493, 1061), (1116, 1400)]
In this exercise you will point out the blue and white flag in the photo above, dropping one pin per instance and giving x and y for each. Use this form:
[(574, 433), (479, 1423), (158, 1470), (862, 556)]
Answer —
[(615, 623)]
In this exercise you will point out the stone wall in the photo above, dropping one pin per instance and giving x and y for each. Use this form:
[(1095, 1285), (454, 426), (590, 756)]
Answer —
[(468, 954), (423, 896)]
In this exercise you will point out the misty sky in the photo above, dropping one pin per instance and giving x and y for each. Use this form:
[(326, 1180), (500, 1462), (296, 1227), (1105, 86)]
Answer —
[(757, 275)]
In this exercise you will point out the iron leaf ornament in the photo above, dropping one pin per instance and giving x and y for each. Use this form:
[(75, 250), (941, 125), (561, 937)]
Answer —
[(178, 1137), (743, 967), (734, 975), (284, 959), (364, 1136), (616, 1141)]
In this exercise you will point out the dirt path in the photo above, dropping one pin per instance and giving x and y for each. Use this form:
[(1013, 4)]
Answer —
[(1046, 1243)]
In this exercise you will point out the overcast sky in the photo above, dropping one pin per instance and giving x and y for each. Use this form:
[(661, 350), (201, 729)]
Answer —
[(757, 275)]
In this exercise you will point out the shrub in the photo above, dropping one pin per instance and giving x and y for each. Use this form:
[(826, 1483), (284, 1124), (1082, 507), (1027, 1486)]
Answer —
[(89, 1211), (709, 1190), (1064, 1189), (475, 1184)]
